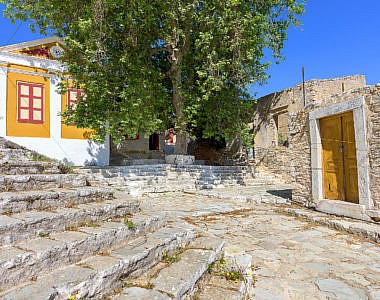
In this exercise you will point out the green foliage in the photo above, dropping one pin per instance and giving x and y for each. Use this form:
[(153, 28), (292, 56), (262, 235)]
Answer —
[(173, 256), (39, 157), (227, 272), (144, 65), (210, 267), (282, 139), (129, 223)]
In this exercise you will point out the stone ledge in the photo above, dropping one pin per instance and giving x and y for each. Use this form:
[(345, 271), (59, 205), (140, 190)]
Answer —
[(367, 230), (177, 159), (373, 213), (347, 209)]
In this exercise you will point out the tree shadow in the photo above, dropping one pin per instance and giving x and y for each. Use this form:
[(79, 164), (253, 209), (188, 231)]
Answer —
[(283, 193)]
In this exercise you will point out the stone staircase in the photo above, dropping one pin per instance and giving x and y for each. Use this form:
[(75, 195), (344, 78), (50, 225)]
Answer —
[(64, 237), (140, 179)]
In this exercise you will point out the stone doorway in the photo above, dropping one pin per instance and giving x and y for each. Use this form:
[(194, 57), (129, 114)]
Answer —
[(154, 142), (339, 164), (358, 209)]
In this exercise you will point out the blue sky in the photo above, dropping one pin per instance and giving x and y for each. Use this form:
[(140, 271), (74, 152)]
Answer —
[(337, 38)]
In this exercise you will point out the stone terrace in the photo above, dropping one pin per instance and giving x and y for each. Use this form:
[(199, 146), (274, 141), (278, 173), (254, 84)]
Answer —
[(85, 236), (62, 236)]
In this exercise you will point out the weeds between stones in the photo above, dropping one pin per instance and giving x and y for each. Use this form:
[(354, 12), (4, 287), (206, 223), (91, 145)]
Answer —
[(173, 256), (90, 224), (227, 272), (129, 223)]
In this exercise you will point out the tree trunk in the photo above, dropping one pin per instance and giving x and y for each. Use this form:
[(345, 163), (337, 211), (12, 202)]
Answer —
[(178, 102), (181, 141), (181, 144)]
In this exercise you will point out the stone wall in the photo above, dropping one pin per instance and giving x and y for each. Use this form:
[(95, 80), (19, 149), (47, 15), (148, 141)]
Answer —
[(276, 160), (219, 154), (373, 103), (138, 147), (294, 162)]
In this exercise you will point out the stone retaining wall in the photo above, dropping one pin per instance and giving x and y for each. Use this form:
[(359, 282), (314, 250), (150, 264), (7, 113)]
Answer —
[(295, 161)]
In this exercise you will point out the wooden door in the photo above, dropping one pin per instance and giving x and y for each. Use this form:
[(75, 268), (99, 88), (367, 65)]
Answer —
[(350, 163), (340, 180), (332, 159)]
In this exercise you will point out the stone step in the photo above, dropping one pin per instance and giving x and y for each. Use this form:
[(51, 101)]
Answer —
[(121, 169), (132, 173), (28, 259), (28, 167), (169, 187), (220, 179), (173, 176), (144, 161), (9, 183), (164, 184), (122, 183), (16, 202), (178, 278), (166, 168), (140, 293), (100, 275), (16, 154), (213, 169), (122, 177), (26, 225), (10, 151)]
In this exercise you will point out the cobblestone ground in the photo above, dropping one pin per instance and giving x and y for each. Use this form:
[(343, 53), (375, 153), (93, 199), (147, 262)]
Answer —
[(293, 258)]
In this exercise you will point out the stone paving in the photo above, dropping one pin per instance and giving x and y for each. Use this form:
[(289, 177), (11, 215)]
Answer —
[(293, 258)]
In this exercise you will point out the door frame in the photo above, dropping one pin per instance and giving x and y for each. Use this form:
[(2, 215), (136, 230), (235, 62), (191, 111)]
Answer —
[(357, 105)]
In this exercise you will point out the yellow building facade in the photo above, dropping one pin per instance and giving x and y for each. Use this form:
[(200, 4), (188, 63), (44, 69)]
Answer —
[(31, 104)]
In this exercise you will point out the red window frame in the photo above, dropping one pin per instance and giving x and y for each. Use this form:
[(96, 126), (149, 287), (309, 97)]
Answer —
[(70, 101), (69, 91), (31, 97)]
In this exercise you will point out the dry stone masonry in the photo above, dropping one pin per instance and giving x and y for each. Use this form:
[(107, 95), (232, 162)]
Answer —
[(63, 236), (284, 141), (188, 233)]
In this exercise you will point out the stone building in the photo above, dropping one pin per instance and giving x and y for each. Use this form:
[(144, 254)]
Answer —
[(323, 136)]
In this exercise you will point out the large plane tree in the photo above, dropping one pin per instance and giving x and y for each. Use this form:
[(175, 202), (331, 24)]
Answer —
[(143, 65)]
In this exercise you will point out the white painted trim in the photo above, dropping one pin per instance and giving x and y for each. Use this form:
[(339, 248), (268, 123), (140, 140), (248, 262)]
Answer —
[(3, 101), (358, 107), (30, 44), (18, 71), (31, 61)]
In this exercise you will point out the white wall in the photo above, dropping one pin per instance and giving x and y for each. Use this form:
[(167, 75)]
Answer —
[(3, 100)]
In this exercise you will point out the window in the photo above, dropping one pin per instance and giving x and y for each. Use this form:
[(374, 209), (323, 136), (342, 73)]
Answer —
[(30, 101), (281, 121), (73, 95)]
